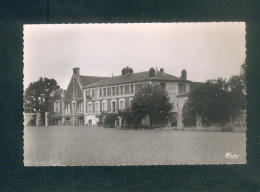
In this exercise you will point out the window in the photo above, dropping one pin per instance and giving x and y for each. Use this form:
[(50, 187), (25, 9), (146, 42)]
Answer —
[(68, 121), (121, 104), (181, 88), (56, 107), (97, 107), (89, 107), (95, 92), (104, 106), (100, 92), (126, 89), (104, 92), (67, 108), (113, 106), (113, 91), (80, 107), (131, 89), (121, 90), (130, 102), (163, 85), (80, 121), (88, 94), (73, 107)]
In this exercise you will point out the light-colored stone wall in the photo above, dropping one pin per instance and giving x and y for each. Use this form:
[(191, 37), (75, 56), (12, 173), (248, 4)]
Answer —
[(27, 117), (93, 118)]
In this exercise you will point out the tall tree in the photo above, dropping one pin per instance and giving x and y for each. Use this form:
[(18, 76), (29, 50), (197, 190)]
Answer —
[(237, 98), (37, 96), (217, 100), (243, 75), (153, 101), (210, 100)]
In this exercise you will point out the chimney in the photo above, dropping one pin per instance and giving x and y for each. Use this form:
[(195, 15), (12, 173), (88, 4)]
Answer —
[(151, 72), (76, 71), (184, 74), (127, 70), (161, 70)]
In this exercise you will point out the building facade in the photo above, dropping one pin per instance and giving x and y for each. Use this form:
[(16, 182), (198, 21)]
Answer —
[(116, 94), (87, 97), (67, 106)]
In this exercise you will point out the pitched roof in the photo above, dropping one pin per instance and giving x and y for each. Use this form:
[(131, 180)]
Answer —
[(57, 95), (135, 77), (88, 80)]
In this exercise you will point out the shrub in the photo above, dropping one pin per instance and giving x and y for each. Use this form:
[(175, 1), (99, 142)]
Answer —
[(227, 128), (110, 119)]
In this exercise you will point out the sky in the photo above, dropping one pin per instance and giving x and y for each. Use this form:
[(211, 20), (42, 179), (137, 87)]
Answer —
[(205, 50)]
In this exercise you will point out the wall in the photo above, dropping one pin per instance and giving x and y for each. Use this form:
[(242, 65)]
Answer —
[(27, 117)]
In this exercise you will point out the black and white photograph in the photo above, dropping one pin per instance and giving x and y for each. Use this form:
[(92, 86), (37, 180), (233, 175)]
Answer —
[(134, 94)]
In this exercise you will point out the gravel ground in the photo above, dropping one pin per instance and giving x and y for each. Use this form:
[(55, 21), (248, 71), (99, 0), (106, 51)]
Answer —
[(75, 145)]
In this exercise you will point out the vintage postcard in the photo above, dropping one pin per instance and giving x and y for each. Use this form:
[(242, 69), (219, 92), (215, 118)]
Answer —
[(134, 94)]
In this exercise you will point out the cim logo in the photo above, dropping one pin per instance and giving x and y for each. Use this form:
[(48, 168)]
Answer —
[(231, 156)]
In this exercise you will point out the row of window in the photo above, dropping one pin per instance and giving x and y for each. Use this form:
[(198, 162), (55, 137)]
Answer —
[(123, 89), (181, 87), (89, 108), (104, 106), (80, 121), (102, 92), (73, 104), (111, 91)]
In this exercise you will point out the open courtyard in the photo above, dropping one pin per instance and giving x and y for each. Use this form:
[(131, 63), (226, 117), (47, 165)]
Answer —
[(87, 146)]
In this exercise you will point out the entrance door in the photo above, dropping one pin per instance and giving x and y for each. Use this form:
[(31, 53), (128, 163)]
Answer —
[(80, 121), (116, 122), (90, 122), (174, 122)]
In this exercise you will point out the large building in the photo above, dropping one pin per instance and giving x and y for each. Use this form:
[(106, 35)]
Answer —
[(67, 106), (88, 96)]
